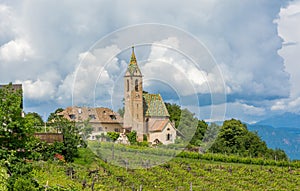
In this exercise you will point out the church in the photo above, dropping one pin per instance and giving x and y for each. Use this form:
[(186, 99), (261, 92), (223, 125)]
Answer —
[(145, 113)]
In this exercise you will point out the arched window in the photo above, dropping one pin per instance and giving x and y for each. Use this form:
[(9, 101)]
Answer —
[(136, 85), (169, 136), (127, 85)]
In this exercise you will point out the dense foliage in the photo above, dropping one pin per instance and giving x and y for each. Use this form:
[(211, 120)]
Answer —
[(19, 147), (54, 115), (132, 137), (15, 131), (232, 137), (36, 119), (199, 133), (16, 138), (72, 140), (85, 128), (185, 122), (113, 136)]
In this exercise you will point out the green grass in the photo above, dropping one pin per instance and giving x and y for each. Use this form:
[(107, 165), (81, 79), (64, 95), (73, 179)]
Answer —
[(178, 173)]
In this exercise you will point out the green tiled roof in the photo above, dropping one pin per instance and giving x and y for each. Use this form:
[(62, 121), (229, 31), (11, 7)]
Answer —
[(154, 106)]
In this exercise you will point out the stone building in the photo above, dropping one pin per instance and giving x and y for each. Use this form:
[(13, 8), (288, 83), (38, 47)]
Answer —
[(145, 113), (102, 119)]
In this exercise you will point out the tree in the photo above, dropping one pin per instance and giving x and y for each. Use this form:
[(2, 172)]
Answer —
[(113, 135), (185, 121), (211, 133), (210, 136), (234, 138), (85, 128), (72, 139), (175, 113), (3, 178), (121, 111), (187, 124), (132, 137), (16, 137), (15, 130), (230, 138), (199, 133), (36, 119), (53, 115)]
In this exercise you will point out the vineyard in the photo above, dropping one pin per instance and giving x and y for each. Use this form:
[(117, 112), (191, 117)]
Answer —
[(185, 172)]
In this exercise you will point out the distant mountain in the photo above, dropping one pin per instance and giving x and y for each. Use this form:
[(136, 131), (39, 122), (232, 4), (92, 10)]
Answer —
[(280, 131), (287, 139), (286, 120)]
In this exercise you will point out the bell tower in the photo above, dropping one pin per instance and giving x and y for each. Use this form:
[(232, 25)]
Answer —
[(133, 98)]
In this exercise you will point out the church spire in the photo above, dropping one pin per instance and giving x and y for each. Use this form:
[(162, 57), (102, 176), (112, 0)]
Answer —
[(133, 68), (133, 58)]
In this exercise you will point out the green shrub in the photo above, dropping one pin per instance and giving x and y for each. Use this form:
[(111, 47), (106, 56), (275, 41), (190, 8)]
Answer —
[(143, 144), (113, 135), (132, 137), (3, 178), (25, 184)]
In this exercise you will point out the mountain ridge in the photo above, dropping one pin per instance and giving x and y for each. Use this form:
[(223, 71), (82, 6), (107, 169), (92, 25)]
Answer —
[(285, 120)]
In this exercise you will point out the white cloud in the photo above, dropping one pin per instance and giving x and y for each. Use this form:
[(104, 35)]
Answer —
[(245, 112), (16, 50), (38, 37), (252, 110), (166, 64), (94, 72), (295, 104), (38, 90), (289, 30), (278, 105)]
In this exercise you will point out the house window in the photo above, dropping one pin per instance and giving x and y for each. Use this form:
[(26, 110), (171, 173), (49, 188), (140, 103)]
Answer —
[(136, 85), (168, 129), (117, 130), (169, 136), (99, 128), (127, 85), (92, 116), (113, 117), (72, 116)]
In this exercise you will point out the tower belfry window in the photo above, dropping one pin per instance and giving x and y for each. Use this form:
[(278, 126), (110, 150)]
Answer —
[(127, 85), (136, 85)]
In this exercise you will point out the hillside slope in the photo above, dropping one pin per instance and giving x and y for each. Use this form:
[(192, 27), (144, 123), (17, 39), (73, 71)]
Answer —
[(178, 174), (287, 139)]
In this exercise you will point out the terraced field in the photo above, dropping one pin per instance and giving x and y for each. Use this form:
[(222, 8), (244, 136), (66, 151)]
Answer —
[(89, 172)]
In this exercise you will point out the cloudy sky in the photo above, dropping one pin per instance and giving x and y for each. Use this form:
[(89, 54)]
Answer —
[(196, 53)]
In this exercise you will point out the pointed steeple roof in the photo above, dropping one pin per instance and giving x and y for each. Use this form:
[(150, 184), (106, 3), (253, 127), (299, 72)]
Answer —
[(133, 67), (133, 58)]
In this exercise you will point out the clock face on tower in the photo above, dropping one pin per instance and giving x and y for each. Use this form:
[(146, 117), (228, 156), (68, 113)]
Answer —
[(137, 95)]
